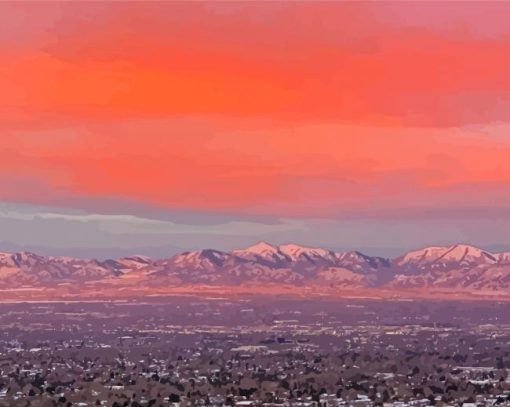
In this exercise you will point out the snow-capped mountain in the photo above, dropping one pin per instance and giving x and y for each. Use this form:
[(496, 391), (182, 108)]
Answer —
[(454, 268), (441, 257), (457, 267), (286, 264), (27, 268), (264, 253)]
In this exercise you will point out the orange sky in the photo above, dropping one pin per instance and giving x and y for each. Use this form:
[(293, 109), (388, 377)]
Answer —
[(295, 109)]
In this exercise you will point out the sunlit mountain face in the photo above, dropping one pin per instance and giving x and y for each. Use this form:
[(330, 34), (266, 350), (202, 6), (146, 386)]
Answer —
[(457, 269)]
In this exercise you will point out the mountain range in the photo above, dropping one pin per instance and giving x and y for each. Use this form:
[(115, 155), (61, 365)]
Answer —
[(457, 268)]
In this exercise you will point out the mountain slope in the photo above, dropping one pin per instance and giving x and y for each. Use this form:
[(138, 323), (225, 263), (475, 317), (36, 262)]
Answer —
[(455, 268), (458, 268), (27, 268)]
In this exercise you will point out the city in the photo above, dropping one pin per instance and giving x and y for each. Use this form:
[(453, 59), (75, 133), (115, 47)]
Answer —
[(192, 351)]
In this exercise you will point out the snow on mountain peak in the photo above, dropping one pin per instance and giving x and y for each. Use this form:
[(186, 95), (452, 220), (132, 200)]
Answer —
[(459, 253), (294, 251), (425, 254), (462, 252), (259, 248), (262, 251)]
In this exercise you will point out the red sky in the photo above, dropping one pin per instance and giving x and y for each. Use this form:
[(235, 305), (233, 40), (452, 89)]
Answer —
[(284, 109)]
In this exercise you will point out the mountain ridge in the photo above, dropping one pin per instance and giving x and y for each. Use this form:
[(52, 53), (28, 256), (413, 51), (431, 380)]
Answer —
[(454, 268)]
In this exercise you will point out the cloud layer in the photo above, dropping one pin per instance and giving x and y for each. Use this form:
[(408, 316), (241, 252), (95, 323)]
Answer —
[(344, 112)]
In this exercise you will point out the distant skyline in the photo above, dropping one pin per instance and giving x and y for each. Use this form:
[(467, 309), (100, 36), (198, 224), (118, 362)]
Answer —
[(153, 128)]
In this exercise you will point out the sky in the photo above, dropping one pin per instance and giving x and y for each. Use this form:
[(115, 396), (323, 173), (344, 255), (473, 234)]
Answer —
[(156, 127)]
